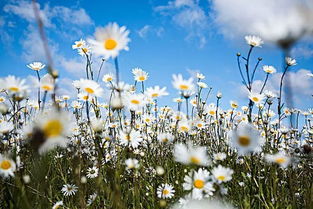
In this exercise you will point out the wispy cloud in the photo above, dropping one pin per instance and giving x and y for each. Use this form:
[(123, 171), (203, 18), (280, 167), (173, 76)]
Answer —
[(59, 17), (148, 29), (300, 84), (272, 20), (189, 15)]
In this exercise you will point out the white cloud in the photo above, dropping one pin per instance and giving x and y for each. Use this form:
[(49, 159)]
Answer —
[(302, 51), (272, 20), (79, 16), (148, 29), (143, 31), (300, 83), (188, 15)]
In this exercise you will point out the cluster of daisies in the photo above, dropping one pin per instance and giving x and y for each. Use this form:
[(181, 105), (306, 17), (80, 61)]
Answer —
[(187, 153)]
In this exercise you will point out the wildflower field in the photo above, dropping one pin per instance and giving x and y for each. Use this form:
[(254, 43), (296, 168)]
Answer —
[(113, 146)]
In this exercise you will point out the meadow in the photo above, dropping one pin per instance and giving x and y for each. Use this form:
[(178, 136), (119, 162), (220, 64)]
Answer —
[(127, 151)]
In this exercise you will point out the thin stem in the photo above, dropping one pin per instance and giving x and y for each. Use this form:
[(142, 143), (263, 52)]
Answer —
[(267, 75)]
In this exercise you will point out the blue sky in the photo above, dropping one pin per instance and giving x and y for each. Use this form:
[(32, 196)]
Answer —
[(166, 38)]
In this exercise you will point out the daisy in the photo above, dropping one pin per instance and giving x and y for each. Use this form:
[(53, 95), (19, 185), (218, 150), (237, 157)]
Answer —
[(256, 97), (200, 76), (165, 191), (37, 66), (198, 182), (139, 75), (90, 87), (220, 156), (47, 83), (155, 92), (234, 104), (245, 139), (222, 174), (290, 61), (79, 44), (202, 85), (131, 163), (7, 166), (54, 126), (165, 137), (92, 172), (132, 138), (14, 85), (108, 78), (269, 69), (69, 189), (85, 50), (135, 102), (184, 126), (188, 154), (57, 205), (280, 158), (254, 41), (110, 40), (181, 84)]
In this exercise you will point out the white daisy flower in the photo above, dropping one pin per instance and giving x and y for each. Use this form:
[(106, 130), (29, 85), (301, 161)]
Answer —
[(37, 66), (246, 139), (132, 138), (69, 189), (139, 75), (220, 156), (90, 87), (155, 92), (279, 158), (222, 174), (92, 172), (108, 78), (256, 97), (165, 191), (254, 41), (269, 69), (47, 83), (290, 61), (57, 205), (79, 44), (188, 154), (132, 163), (200, 184), (7, 166), (181, 84), (165, 137), (110, 40)]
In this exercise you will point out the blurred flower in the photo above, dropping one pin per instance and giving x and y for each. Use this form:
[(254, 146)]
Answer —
[(254, 41), (222, 174), (181, 84), (37, 66), (110, 40), (188, 154), (280, 158), (132, 163), (269, 69), (290, 61), (156, 91), (256, 97)]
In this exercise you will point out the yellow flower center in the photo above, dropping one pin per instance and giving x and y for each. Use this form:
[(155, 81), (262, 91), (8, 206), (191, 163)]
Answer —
[(46, 87), (244, 141), (53, 128), (1, 99), (128, 137), (89, 90), (134, 101), (165, 140), (142, 78), (255, 99), (184, 128), (79, 44), (154, 95), (110, 44), (199, 184), (14, 88), (85, 50), (194, 160), (212, 112), (5, 165), (280, 160), (165, 192), (183, 87), (221, 178)]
